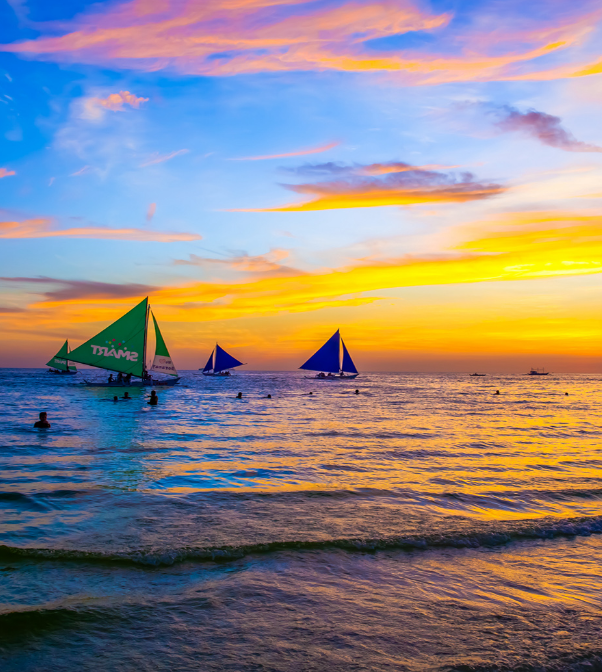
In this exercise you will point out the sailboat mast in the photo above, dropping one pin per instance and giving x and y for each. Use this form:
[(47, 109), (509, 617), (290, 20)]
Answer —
[(145, 339)]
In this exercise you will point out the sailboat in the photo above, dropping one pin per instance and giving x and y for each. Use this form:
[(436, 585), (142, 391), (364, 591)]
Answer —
[(329, 363), (220, 362), (59, 363), (121, 348), (538, 372)]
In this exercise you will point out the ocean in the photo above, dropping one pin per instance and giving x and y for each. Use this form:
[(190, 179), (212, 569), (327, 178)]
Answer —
[(425, 523)]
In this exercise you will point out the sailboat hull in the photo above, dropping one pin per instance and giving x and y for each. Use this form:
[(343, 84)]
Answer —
[(135, 383), (217, 375), (63, 373), (349, 376)]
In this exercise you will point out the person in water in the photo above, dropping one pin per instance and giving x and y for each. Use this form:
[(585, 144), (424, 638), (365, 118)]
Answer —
[(115, 398), (497, 392), (269, 396), (239, 395), (357, 392), (42, 423), (154, 399), (126, 395)]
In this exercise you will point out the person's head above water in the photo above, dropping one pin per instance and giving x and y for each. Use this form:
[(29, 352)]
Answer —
[(126, 395), (239, 395), (357, 391), (43, 422), (115, 398)]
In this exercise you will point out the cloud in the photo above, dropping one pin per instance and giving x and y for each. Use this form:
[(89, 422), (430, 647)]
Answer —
[(157, 158), (250, 36), (43, 228), (545, 127), (6, 173), (78, 290), (399, 184), (300, 152), (94, 107), (268, 264), (81, 171), (150, 213), (8, 309)]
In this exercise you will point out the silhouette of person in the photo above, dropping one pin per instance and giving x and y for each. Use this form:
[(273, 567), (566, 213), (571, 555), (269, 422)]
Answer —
[(357, 391), (111, 378), (566, 394), (115, 398), (154, 399), (42, 423), (269, 396), (239, 395), (126, 395), (311, 393), (497, 392)]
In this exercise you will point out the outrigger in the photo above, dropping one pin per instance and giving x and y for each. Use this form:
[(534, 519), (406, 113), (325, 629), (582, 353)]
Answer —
[(329, 363), (121, 348)]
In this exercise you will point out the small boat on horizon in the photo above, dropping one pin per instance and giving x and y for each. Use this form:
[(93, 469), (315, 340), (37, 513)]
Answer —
[(472, 375), (121, 348), (220, 363), (332, 361), (60, 363), (537, 372)]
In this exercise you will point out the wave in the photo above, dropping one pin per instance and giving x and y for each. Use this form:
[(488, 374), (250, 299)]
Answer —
[(527, 530)]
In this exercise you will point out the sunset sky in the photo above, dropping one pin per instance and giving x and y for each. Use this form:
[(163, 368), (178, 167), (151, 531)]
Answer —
[(427, 176)]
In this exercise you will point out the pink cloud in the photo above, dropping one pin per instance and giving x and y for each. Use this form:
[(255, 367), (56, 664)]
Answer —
[(545, 127), (116, 101), (151, 211), (219, 38), (43, 228), (6, 173), (157, 158), (300, 152)]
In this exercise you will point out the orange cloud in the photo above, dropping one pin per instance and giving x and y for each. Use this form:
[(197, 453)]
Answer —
[(300, 152), (401, 184), (250, 36), (116, 101), (166, 157), (520, 246), (6, 173), (43, 228)]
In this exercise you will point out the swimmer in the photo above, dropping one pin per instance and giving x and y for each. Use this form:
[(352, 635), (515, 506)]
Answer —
[(154, 399), (42, 423), (357, 391), (269, 396), (310, 393), (239, 395), (115, 398), (497, 392), (566, 394), (126, 395)]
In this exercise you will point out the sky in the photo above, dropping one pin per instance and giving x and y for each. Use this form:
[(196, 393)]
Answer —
[(425, 176)]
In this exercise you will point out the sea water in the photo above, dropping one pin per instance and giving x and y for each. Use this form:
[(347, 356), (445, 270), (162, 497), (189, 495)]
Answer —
[(425, 523)]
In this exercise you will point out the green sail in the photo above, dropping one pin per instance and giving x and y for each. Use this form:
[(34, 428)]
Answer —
[(119, 347), (60, 361), (162, 362)]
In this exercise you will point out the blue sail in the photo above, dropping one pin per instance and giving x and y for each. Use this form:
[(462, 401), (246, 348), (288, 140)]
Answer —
[(224, 361), (209, 364), (348, 365), (327, 357)]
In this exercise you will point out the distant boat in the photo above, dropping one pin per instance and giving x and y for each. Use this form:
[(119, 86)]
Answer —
[(472, 375), (329, 363), (220, 363), (60, 364), (538, 372), (121, 348)]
